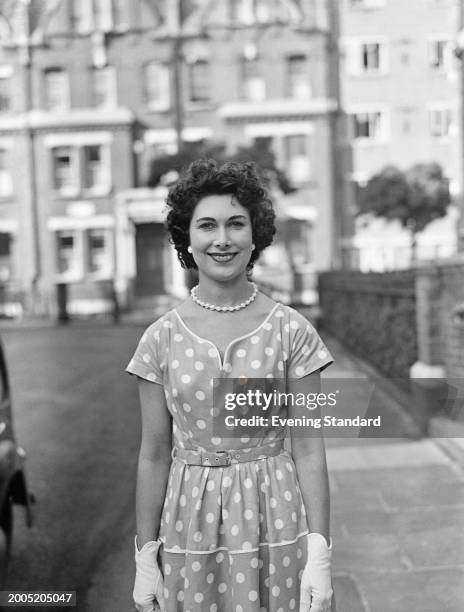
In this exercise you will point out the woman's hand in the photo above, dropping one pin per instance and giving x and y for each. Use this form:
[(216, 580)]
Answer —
[(149, 585), (316, 582)]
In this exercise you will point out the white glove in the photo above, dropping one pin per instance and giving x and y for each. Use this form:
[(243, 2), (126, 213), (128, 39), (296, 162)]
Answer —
[(149, 585), (316, 583)]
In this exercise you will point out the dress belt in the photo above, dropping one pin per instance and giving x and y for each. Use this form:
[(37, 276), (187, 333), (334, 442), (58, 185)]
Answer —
[(227, 457)]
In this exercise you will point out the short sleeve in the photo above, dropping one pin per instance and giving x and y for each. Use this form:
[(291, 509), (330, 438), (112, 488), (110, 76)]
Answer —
[(307, 351), (146, 361)]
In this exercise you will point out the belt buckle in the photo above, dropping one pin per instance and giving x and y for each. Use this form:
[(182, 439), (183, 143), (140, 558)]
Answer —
[(222, 458)]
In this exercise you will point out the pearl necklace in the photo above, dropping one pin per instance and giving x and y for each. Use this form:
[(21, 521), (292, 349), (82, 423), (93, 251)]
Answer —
[(193, 293)]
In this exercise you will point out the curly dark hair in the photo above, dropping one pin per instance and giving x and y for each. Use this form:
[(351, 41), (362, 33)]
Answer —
[(203, 178)]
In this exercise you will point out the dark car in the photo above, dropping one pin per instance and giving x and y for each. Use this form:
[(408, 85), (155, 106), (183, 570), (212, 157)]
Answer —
[(13, 484)]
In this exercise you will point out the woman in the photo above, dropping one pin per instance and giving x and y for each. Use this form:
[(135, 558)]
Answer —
[(233, 534)]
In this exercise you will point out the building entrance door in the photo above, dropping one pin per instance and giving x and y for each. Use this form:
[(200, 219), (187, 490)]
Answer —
[(149, 240)]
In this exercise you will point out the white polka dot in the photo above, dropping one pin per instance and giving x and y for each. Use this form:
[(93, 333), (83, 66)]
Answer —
[(273, 502), (220, 557), (254, 562), (269, 375), (292, 603), (175, 364), (199, 366), (288, 496), (247, 546), (178, 337), (248, 514), (286, 561), (201, 424), (279, 524), (252, 595), (222, 587), (195, 491), (227, 367), (241, 353), (245, 439), (237, 497), (267, 326), (200, 395), (294, 517), (210, 486), (294, 325), (166, 592), (272, 569), (279, 314), (210, 578), (255, 364), (167, 324), (299, 553), (287, 327), (198, 597), (167, 569), (284, 355), (179, 526), (275, 591), (234, 530), (185, 378), (225, 514), (267, 582), (226, 481), (213, 608), (190, 352), (279, 337), (279, 475), (322, 354), (269, 350), (197, 536), (238, 608), (196, 566), (210, 517), (305, 349), (254, 339), (156, 335), (289, 582), (182, 572), (240, 577), (216, 441), (146, 358), (212, 352), (180, 596), (299, 371), (151, 377), (267, 480), (248, 483), (186, 407), (280, 365)]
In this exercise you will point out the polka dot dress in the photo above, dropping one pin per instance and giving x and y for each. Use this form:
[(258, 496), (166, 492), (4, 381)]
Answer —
[(233, 536)]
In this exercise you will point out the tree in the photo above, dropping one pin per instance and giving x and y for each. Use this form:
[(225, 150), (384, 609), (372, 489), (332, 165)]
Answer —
[(259, 152), (415, 197)]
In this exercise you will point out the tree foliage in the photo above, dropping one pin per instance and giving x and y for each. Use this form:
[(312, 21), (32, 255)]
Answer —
[(415, 197), (259, 152)]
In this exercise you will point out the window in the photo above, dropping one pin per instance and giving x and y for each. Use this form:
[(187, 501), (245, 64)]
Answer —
[(254, 86), (87, 15), (156, 86), (99, 252), (96, 168), (369, 125), (297, 159), (439, 55), (441, 120), (65, 170), (5, 93), (104, 87), (6, 180), (68, 257), (199, 81), (366, 57), (56, 89), (5, 257), (298, 78)]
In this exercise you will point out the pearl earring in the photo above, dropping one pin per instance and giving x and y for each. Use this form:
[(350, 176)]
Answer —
[(253, 247), (189, 249)]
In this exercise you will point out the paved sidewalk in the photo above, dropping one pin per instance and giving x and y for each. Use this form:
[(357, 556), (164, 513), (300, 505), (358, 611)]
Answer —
[(397, 518), (397, 522)]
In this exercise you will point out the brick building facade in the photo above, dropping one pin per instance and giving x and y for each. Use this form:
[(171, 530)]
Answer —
[(92, 90)]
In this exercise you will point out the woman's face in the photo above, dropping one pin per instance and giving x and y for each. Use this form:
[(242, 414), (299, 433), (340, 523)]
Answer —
[(221, 237)]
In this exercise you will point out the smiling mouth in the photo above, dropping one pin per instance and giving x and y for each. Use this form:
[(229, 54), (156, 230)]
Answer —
[(222, 257)]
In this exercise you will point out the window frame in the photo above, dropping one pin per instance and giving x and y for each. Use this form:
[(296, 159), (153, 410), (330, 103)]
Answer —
[(65, 92), (163, 102), (110, 80)]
